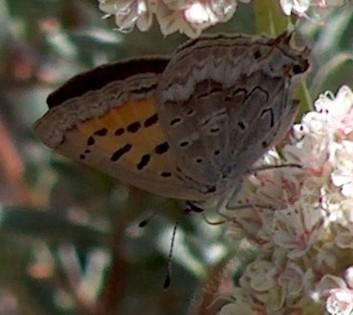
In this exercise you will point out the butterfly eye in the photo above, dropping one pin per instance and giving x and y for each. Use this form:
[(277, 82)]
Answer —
[(184, 144), (297, 69), (199, 160), (300, 67)]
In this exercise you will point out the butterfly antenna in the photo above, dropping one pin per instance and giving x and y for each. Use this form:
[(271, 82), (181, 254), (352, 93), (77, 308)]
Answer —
[(147, 220), (249, 206), (191, 207), (168, 276)]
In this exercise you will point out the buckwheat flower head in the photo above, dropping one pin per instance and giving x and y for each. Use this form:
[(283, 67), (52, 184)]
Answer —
[(299, 220), (190, 17), (299, 7), (128, 13)]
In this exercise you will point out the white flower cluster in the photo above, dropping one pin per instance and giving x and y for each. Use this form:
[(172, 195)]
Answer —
[(299, 7), (190, 17), (304, 232)]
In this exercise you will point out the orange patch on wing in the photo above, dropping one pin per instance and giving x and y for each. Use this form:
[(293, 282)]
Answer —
[(135, 124)]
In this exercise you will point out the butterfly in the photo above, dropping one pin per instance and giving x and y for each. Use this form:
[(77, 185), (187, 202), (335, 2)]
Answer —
[(188, 127)]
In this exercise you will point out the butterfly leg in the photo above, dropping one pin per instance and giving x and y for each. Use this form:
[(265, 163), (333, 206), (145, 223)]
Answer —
[(249, 206), (191, 207), (271, 167)]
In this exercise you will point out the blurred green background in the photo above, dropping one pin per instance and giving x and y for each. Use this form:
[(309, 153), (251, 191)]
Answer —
[(69, 235)]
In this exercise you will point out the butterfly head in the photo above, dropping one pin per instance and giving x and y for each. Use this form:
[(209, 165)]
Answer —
[(282, 59)]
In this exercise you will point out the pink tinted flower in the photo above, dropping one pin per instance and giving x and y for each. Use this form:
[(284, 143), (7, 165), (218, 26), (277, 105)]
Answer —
[(300, 220), (299, 7), (336, 293), (128, 13), (297, 228), (190, 17)]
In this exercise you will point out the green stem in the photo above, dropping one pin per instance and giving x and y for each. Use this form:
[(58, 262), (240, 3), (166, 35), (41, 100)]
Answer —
[(270, 19)]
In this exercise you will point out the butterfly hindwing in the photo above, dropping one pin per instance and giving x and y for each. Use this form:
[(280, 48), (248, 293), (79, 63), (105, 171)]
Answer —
[(237, 91)]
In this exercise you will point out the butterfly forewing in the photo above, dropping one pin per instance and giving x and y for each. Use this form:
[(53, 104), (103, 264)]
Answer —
[(114, 127)]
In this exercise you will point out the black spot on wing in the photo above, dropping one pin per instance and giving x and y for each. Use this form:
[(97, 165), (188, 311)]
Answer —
[(199, 160), (184, 144), (270, 112), (118, 154), (166, 174), (257, 54), (91, 140), (101, 132), (176, 121), (145, 159), (133, 127), (162, 148), (241, 125), (119, 131), (150, 121), (215, 130)]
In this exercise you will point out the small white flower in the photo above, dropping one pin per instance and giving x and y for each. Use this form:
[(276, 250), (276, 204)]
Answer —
[(340, 302), (242, 304), (337, 111), (336, 294), (198, 14), (348, 276), (193, 16), (297, 6), (171, 21), (291, 279), (342, 176), (128, 13), (260, 275), (297, 228), (344, 227)]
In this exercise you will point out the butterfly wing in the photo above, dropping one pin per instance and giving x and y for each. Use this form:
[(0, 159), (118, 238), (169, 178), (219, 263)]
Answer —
[(223, 101), (107, 118)]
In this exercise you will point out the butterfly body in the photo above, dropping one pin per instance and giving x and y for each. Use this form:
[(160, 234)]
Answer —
[(188, 128)]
